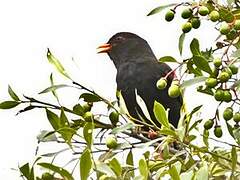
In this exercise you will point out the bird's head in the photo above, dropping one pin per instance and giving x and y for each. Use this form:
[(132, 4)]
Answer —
[(125, 46)]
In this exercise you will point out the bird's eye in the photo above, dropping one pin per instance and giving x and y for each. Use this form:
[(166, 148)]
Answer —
[(120, 38)]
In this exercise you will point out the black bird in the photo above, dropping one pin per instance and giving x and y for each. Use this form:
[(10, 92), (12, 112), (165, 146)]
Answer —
[(138, 69)]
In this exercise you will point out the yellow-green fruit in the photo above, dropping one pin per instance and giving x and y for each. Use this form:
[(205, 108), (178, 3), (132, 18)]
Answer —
[(114, 117), (111, 142), (161, 84), (174, 91), (214, 16), (236, 117), (208, 124), (224, 28), (186, 27), (228, 113), (86, 107), (219, 95), (47, 176), (218, 131), (211, 82), (233, 68), (186, 13), (217, 62), (237, 25), (232, 34), (195, 21), (227, 96), (88, 116), (104, 177), (223, 77), (169, 16), (203, 11)]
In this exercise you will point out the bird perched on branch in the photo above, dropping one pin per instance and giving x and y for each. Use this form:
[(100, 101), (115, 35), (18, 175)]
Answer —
[(139, 70)]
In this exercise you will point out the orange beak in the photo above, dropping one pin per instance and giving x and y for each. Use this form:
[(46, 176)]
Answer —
[(104, 48)]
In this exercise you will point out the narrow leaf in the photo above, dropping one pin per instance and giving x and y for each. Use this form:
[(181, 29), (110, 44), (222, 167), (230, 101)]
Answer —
[(143, 168), (160, 114), (193, 81), (194, 47), (174, 173), (180, 43), (116, 166), (53, 119), (87, 133), (104, 168), (160, 8), (167, 59), (85, 164), (46, 136), (234, 159), (53, 88), (202, 63), (122, 128), (8, 104), (12, 94), (90, 97)]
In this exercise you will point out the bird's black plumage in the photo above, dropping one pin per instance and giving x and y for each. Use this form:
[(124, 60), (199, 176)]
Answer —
[(138, 69)]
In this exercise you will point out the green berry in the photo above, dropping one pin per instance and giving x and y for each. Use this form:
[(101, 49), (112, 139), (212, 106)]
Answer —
[(218, 131), (214, 16), (236, 117), (203, 11), (228, 113), (219, 95), (233, 68), (208, 124), (174, 91), (232, 34), (215, 72), (87, 107), (186, 27), (161, 84), (217, 62), (186, 13), (211, 82), (47, 176), (224, 28), (169, 16), (224, 76), (88, 116), (227, 96), (114, 117), (237, 25), (195, 21), (111, 142)]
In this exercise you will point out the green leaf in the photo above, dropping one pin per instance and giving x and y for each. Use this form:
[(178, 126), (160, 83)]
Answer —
[(46, 136), (90, 97), (193, 81), (104, 168), (87, 133), (116, 166), (63, 119), (205, 137), (53, 60), (8, 104), (53, 91), (160, 8), (78, 109), (62, 172), (194, 47), (129, 161), (160, 114), (122, 128), (180, 43), (85, 164), (67, 134), (168, 132), (167, 59), (202, 63), (143, 168), (226, 15), (174, 173), (28, 108), (53, 119), (191, 69), (234, 159), (12, 94), (202, 173), (53, 88), (27, 172)]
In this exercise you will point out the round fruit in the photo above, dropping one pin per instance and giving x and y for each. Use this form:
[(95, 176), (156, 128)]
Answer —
[(233, 68), (211, 82), (228, 113), (214, 16), (218, 131), (88, 116), (227, 96), (224, 28), (195, 21), (111, 142), (169, 16), (236, 117), (224, 76), (217, 62), (86, 107), (215, 73), (203, 11), (232, 34), (208, 124), (219, 95), (237, 24), (114, 117), (186, 13), (174, 91), (47, 176), (186, 27), (161, 83)]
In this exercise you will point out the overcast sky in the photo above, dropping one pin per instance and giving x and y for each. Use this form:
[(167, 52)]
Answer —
[(71, 29)]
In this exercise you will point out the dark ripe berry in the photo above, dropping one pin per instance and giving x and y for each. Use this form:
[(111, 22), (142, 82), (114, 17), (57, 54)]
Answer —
[(47, 176), (223, 76), (111, 142), (232, 34), (214, 16), (217, 62), (227, 96), (228, 113), (161, 83), (237, 25), (195, 21), (208, 124), (174, 91), (203, 10), (114, 117), (186, 27), (233, 68), (186, 13), (218, 95), (236, 117), (224, 28), (88, 116), (169, 16), (211, 82), (218, 131)]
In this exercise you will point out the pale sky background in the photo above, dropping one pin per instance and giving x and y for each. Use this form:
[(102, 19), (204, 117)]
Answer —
[(72, 29)]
